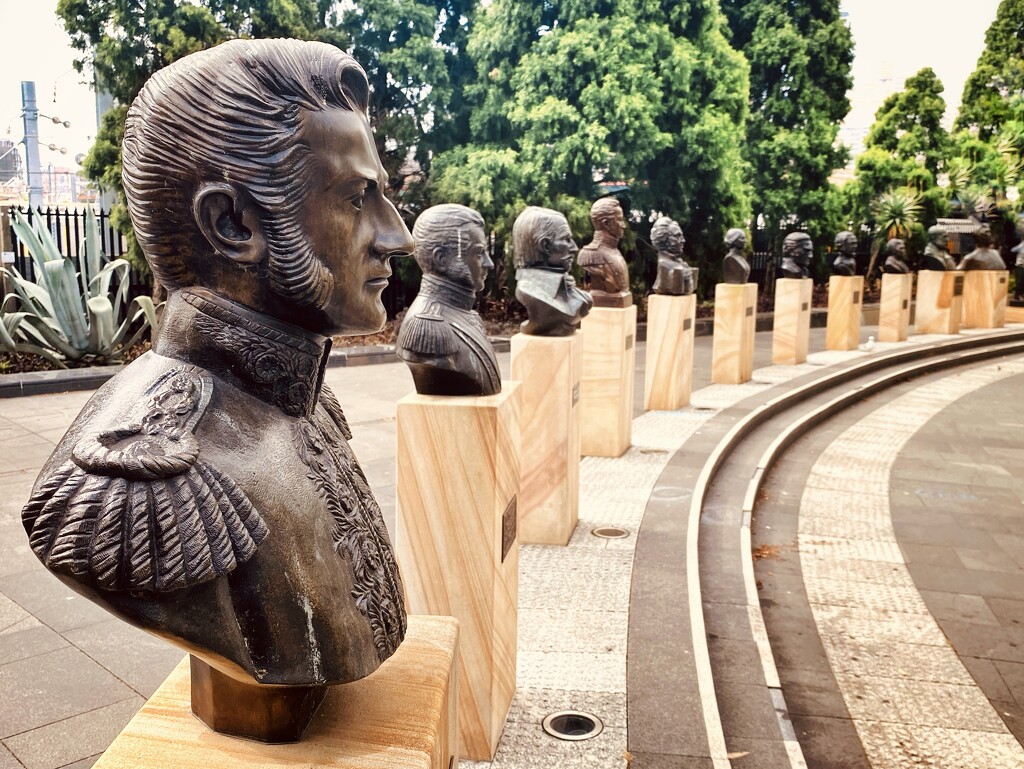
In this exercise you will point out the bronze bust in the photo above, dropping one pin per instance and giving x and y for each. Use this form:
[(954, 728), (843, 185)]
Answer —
[(845, 262), (936, 257), (797, 251), (208, 493), (983, 257), (442, 339), (896, 262), (605, 268), (675, 276), (543, 250), (735, 268)]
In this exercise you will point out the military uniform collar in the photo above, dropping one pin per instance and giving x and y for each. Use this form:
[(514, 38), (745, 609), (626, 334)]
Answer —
[(275, 361), (447, 293)]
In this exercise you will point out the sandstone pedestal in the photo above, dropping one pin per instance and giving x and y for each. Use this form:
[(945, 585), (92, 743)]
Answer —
[(549, 370), (401, 717), (606, 397), (458, 487), (668, 374), (939, 302), (894, 307), (845, 297), (732, 348), (791, 326), (985, 295)]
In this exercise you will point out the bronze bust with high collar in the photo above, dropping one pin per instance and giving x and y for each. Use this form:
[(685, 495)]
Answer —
[(442, 339), (606, 272), (735, 267), (845, 262), (675, 276), (543, 250), (208, 493), (936, 257), (896, 257), (983, 257), (797, 251)]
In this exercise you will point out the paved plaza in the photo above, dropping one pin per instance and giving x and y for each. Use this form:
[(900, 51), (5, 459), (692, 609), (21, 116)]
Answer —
[(888, 550)]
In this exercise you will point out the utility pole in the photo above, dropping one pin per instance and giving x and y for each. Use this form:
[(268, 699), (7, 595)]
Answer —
[(33, 168)]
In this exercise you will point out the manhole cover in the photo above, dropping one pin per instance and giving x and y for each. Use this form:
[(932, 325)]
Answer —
[(572, 725), (609, 532)]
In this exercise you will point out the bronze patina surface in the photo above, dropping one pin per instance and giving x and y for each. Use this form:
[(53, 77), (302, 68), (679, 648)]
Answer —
[(442, 339), (735, 268), (543, 252), (675, 276), (607, 277), (936, 257), (797, 251), (896, 257), (983, 257), (208, 493), (845, 262)]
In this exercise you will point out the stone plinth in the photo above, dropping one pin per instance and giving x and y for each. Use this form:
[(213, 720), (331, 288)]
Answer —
[(985, 295), (400, 717), (939, 302), (549, 369), (894, 307), (791, 326), (458, 487), (845, 300), (668, 374), (732, 348), (606, 405)]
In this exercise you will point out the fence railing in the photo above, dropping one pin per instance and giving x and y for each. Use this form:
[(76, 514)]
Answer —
[(67, 225)]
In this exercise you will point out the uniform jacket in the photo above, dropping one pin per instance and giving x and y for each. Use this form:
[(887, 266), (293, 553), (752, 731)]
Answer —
[(208, 494)]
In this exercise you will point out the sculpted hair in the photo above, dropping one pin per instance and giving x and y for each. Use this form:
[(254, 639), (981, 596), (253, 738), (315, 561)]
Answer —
[(234, 114), (660, 232), (441, 227), (734, 236), (790, 241), (843, 237), (531, 227), (937, 231), (603, 210)]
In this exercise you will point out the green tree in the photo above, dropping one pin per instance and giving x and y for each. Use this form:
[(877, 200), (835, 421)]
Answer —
[(572, 93), (909, 122), (800, 53), (413, 52), (995, 89)]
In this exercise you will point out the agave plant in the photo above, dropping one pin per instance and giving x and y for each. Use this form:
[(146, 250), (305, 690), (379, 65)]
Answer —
[(895, 211), (77, 308)]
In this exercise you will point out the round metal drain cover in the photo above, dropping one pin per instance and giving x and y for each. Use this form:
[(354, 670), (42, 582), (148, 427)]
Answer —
[(572, 725), (609, 532)]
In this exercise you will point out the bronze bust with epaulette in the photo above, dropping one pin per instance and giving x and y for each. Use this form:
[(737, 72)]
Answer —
[(208, 493), (442, 338)]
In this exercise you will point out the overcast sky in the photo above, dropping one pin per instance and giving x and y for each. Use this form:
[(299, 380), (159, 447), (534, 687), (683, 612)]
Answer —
[(894, 39)]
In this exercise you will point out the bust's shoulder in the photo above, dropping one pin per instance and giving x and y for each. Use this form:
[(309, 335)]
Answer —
[(128, 501)]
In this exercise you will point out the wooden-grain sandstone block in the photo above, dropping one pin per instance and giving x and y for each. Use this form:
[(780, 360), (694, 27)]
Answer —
[(606, 398), (732, 348), (456, 540), (845, 301), (894, 307), (549, 369), (791, 325), (668, 373)]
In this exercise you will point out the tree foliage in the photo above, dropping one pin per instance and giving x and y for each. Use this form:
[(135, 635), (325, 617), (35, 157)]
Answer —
[(995, 90), (800, 53), (572, 93), (909, 122), (413, 52)]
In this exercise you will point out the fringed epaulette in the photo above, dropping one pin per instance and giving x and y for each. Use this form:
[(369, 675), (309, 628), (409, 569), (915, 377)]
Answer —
[(136, 508), (428, 333), (330, 403)]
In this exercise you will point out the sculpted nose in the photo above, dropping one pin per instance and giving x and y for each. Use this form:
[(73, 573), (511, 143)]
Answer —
[(487, 263), (392, 237)]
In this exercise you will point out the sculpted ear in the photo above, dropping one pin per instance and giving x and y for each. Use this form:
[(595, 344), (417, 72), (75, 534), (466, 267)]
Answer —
[(231, 226), (545, 246)]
